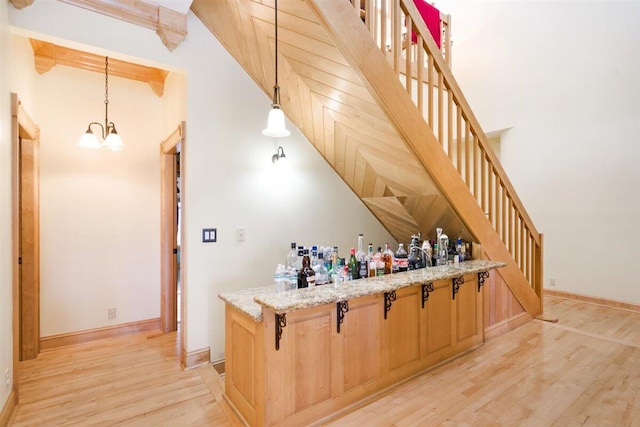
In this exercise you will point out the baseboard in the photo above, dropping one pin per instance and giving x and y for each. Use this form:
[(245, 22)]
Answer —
[(593, 300), (63, 340), (506, 325), (8, 408), (196, 358)]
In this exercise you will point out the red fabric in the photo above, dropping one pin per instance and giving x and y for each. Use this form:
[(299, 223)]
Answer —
[(431, 17)]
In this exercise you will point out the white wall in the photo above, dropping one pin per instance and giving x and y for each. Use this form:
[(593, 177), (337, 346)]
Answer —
[(99, 209), (6, 267), (229, 179), (565, 76)]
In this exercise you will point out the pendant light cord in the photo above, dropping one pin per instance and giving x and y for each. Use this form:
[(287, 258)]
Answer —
[(276, 88), (106, 93), (276, 20)]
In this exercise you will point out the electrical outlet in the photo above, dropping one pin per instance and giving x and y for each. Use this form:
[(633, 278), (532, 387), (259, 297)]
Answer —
[(552, 282), (240, 234), (111, 313)]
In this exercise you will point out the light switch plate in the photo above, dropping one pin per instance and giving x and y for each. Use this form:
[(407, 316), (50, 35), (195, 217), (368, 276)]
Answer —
[(209, 235)]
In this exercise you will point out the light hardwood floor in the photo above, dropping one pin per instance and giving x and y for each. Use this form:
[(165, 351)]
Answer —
[(584, 370)]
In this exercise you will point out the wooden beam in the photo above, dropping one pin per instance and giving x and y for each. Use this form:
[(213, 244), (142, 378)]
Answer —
[(170, 25), (47, 55), (19, 4)]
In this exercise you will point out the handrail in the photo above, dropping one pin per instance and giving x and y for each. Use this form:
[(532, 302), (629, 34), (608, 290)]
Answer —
[(449, 115)]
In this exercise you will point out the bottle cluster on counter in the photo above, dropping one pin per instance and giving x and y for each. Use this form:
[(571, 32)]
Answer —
[(319, 265)]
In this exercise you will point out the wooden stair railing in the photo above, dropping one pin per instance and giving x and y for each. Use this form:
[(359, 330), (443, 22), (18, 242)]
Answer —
[(452, 122)]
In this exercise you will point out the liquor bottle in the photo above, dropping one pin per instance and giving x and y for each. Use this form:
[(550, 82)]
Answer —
[(336, 269), (371, 262), (292, 256), (306, 276), (401, 259), (361, 257), (353, 265), (426, 254), (322, 274), (415, 262), (380, 266), (387, 257), (314, 256), (298, 262)]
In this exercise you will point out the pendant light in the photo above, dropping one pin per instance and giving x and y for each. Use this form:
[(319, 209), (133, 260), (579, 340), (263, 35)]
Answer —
[(275, 123), (110, 138)]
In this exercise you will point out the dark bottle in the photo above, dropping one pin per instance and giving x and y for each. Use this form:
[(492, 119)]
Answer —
[(401, 261), (415, 262), (306, 276), (353, 265)]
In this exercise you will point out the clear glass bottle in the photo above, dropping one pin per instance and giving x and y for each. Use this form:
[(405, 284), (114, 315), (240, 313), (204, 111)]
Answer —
[(314, 256), (322, 274), (371, 262), (292, 256), (298, 262), (426, 254)]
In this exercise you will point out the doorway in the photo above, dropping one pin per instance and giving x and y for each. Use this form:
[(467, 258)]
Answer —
[(25, 234), (171, 264)]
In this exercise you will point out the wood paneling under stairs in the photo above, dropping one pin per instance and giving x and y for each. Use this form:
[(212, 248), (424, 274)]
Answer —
[(580, 371), (324, 96), (338, 87)]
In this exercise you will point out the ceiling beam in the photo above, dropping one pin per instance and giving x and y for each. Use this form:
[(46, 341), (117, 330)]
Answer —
[(169, 25), (47, 55)]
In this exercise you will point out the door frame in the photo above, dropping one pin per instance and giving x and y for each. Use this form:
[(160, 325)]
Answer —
[(173, 144), (22, 127)]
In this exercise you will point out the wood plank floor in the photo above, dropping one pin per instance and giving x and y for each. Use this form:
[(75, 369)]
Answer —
[(584, 370)]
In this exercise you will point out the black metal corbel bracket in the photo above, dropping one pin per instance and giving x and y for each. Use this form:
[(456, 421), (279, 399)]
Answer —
[(389, 298), (456, 282), (281, 322), (341, 308), (427, 288), (482, 276)]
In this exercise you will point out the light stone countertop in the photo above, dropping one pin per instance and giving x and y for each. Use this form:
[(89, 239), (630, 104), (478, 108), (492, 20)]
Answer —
[(251, 301)]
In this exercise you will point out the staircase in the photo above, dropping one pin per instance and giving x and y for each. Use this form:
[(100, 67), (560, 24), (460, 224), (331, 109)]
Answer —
[(390, 119)]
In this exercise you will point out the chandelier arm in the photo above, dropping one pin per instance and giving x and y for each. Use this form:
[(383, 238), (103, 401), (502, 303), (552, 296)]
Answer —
[(102, 128)]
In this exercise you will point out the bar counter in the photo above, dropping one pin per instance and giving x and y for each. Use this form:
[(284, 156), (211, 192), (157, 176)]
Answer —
[(298, 357), (251, 301)]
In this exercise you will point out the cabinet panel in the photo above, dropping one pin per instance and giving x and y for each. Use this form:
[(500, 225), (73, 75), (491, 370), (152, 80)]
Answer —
[(310, 362), (361, 330), (439, 317), (403, 323), (242, 358), (466, 309)]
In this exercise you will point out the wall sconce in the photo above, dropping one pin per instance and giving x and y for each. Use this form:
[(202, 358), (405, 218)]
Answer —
[(111, 139), (279, 157)]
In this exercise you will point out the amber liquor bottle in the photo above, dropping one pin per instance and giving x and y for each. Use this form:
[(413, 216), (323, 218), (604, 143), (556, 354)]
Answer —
[(306, 275)]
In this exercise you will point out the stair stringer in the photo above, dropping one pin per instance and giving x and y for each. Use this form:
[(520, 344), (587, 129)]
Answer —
[(359, 49)]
